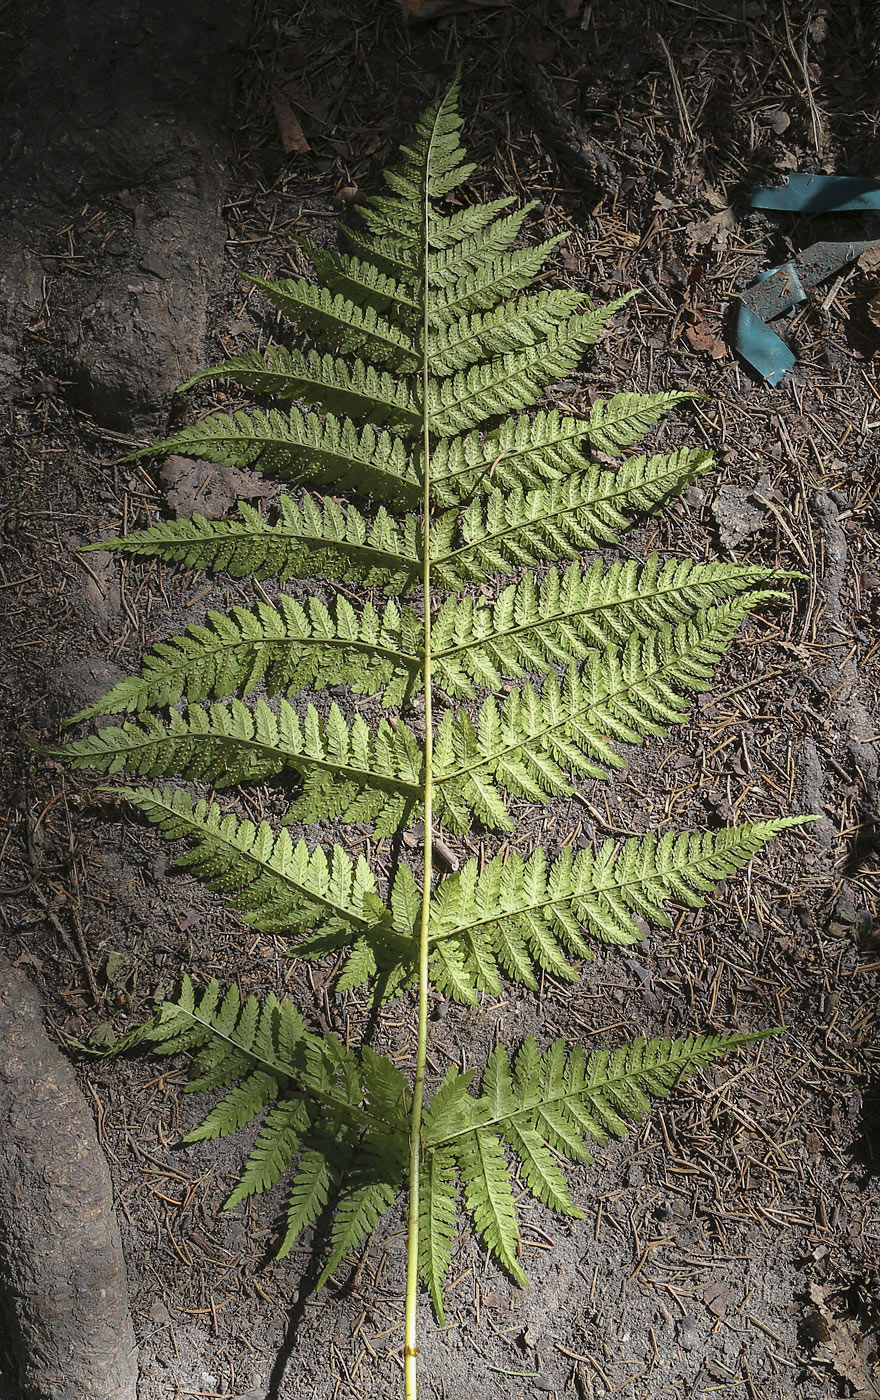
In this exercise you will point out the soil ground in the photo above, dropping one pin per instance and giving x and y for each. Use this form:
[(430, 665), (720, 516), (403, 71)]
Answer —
[(732, 1245)]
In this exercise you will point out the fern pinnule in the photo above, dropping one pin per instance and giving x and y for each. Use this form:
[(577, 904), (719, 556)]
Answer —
[(615, 423)]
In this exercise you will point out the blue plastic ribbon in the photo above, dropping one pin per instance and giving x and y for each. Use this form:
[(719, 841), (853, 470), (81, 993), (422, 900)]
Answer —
[(780, 288), (819, 194)]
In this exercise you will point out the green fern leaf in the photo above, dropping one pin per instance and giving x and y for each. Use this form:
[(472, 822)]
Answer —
[(515, 914), (366, 285), (475, 253), (438, 1184), (522, 452), (488, 1196), (277, 1143), (530, 744), (340, 386), (559, 521), (373, 1182), (310, 537), (380, 213), (494, 281), (511, 327), (620, 421), (539, 1170), (565, 616), (341, 323), (425, 349), (554, 1101), (450, 1110), (516, 380), (289, 647), (275, 884), (319, 1174), (300, 447), (347, 770)]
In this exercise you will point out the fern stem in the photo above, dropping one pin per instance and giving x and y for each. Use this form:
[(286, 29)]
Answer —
[(411, 1349)]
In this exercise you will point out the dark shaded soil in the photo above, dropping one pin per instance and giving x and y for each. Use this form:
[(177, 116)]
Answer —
[(732, 1243)]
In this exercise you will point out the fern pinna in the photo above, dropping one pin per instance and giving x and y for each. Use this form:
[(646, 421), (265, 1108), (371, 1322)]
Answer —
[(427, 340)]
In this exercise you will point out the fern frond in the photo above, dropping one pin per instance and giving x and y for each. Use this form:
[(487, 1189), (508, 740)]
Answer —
[(427, 347), (288, 646), (488, 1196), (301, 447), (522, 452), (515, 915), (564, 616), (435, 163), (392, 245), (274, 884), (276, 1145), (529, 745), (373, 1181), (339, 386), (309, 538), (446, 230), (507, 529), (390, 252), (318, 1177)]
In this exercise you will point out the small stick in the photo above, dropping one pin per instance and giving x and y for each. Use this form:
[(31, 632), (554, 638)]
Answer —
[(446, 854), (679, 95)]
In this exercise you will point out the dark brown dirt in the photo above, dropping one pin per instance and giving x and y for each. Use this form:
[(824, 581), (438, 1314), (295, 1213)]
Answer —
[(732, 1243)]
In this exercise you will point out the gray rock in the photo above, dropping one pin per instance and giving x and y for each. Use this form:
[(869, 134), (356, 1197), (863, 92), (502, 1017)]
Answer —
[(62, 1274)]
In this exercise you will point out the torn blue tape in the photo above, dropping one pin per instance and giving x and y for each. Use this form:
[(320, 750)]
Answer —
[(762, 347), (780, 288), (819, 194)]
